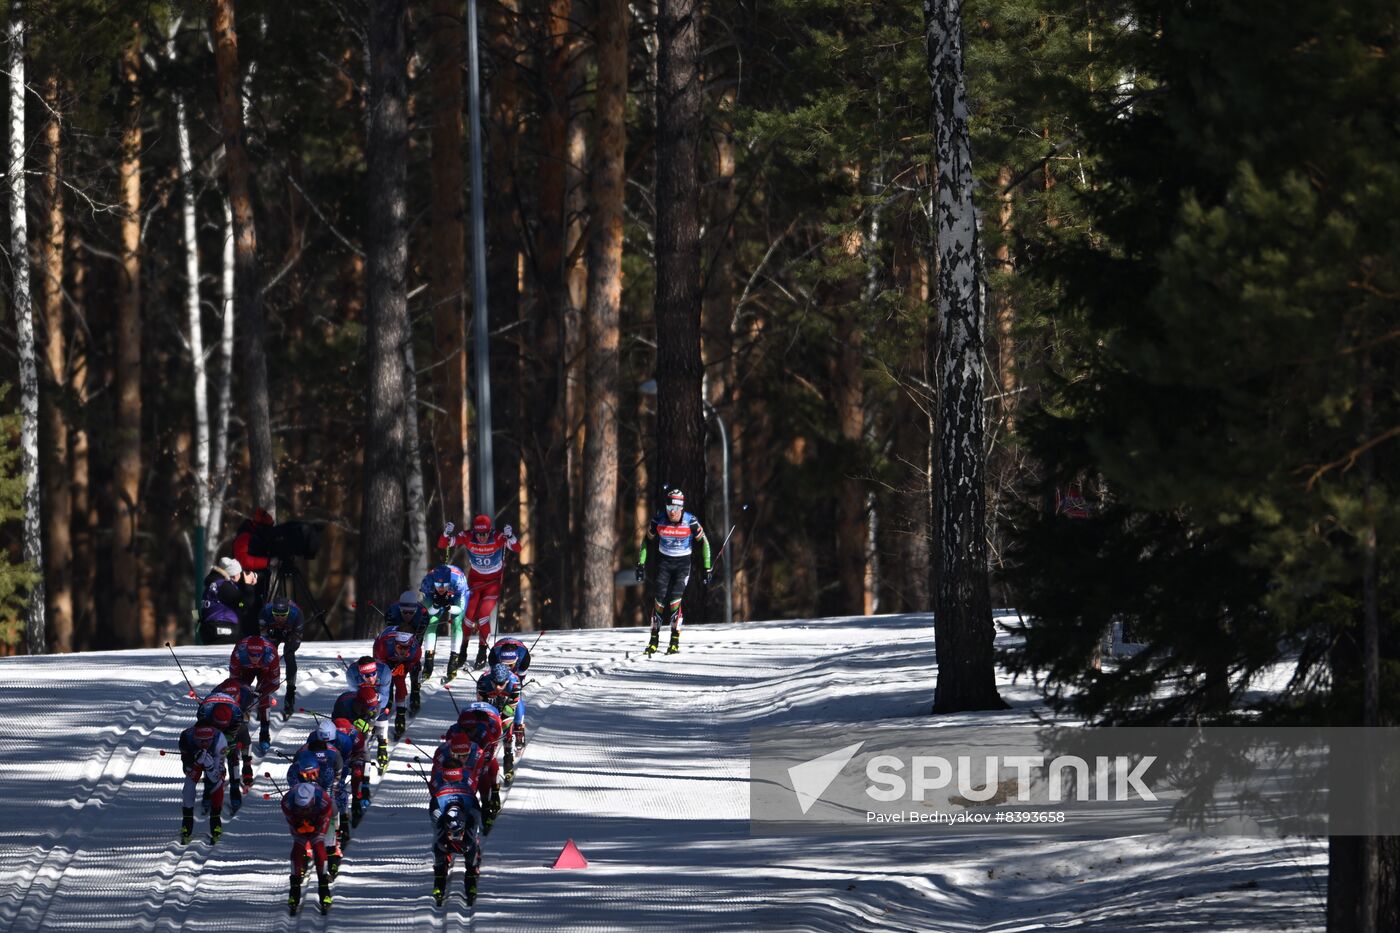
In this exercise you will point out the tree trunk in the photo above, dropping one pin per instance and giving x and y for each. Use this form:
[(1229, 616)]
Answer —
[(57, 495), (449, 271), (503, 285), (549, 463), (35, 640), (963, 628), (380, 575), (418, 552), (600, 460), (247, 279), (85, 521), (223, 406), (126, 476), (189, 217), (848, 399), (680, 420)]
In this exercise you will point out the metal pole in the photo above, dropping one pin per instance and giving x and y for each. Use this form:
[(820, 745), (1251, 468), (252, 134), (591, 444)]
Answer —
[(724, 489), (486, 481)]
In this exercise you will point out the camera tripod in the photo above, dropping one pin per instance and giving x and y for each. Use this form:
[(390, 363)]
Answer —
[(288, 579)]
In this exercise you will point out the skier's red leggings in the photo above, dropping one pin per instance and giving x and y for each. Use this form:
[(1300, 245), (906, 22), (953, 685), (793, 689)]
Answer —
[(318, 848), (484, 593)]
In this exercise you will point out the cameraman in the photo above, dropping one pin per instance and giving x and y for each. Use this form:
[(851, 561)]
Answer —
[(250, 549), (227, 589)]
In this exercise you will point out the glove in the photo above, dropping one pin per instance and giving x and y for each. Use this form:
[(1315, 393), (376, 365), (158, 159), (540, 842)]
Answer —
[(456, 610), (708, 575), (448, 529), (509, 532), (205, 761), (641, 572)]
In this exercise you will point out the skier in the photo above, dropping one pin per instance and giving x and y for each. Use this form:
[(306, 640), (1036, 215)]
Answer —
[(360, 703), (243, 698), (501, 689), (408, 615), (675, 531), (486, 559), (202, 751), (367, 670), (350, 742), (254, 660), (457, 818), (481, 723), (513, 654), (401, 653), (222, 712), (444, 594), (323, 744), (222, 604), (308, 809), (281, 623)]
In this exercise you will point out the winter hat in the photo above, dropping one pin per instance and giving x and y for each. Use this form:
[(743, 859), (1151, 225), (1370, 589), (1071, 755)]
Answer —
[(303, 795), (230, 567), (326, 730), (409, 596)]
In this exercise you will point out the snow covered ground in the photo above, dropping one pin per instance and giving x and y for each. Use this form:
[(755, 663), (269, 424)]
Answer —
[(643, 762)]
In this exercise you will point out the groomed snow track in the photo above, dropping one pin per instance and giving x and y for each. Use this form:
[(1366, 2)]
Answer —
[(642, 761)]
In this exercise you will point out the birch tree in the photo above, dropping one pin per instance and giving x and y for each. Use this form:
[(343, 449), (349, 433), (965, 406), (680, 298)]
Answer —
[(24, 327), (963, 631)]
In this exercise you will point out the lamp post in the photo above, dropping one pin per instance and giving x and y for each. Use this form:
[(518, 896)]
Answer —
[(486, 484), (649, 388)]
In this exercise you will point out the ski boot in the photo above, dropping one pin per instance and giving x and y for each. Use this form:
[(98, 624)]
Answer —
[(480, 656), (294, 898), (247, 773), (289, 704), (400, 723), (509, 766), (415, 701), (325, 890), (186, 824), (357, 812), (235, 802), (342, 839), (427, 665), (383, 756), (469, 885), (264, 738), (520, 737), (333, 863), (675, 646), (655, 637), (453, 662), (216, 829)]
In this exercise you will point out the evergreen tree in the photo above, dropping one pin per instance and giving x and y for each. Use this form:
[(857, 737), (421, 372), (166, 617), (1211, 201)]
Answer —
[(16, 579)]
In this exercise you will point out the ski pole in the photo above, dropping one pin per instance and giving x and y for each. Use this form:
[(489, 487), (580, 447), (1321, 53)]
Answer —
[(537, 640), (193, 694), (423, 776), (742, 508), (268, 774), (453, 697), (315, 715)]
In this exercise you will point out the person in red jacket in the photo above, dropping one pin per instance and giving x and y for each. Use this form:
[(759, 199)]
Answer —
[(486, 561), (254, 564)]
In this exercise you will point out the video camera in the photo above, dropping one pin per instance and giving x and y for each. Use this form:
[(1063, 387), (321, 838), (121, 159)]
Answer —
[(287, 541)]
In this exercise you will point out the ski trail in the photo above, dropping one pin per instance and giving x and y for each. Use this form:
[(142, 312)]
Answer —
[(102, 768)]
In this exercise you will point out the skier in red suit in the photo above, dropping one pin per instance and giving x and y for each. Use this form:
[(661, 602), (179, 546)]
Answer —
[(486, 560)]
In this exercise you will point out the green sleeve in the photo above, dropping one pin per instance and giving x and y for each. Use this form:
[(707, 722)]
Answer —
[(705, 547), (642, 558)]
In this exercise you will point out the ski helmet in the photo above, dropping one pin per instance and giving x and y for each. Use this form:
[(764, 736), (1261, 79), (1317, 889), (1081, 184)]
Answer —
[(326, 730), (308, 767), (455, 818), (281, 608), (343, 725), (500, 675), (481, 524), (303, 796)]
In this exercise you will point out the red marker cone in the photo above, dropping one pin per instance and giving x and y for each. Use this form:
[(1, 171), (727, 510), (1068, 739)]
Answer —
[(570, 857)]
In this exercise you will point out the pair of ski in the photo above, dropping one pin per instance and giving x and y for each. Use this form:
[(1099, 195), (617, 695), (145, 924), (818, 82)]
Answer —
[(469, 885), (294, 901)]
